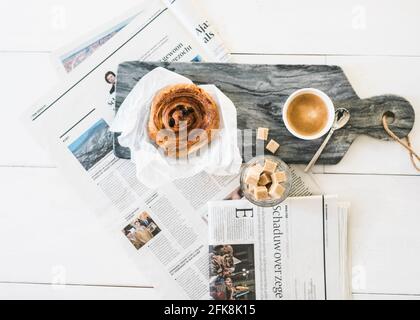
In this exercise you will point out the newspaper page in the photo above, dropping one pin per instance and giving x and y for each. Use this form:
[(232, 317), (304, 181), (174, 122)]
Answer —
[(290, 251), (162, 230)]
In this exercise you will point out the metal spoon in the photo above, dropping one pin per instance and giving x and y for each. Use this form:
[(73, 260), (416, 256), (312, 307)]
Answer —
[(342, 116)]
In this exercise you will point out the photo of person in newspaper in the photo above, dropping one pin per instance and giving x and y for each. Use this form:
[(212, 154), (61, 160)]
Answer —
[(110, 78), (141, 230), (232, 273), (93, 145)]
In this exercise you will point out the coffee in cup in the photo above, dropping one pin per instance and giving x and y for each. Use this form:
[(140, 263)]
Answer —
[(308, 113)]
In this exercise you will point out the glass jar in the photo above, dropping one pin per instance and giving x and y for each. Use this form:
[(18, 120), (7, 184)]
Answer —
[(281, 166)]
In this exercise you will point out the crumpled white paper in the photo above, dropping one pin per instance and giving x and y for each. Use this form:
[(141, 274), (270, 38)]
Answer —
[(154, 169)]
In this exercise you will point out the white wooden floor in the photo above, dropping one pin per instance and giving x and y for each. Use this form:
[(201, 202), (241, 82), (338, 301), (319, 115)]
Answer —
[(46, 234)]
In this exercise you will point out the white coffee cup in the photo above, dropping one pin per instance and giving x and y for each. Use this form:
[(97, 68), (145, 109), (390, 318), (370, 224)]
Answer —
[(328, 104)]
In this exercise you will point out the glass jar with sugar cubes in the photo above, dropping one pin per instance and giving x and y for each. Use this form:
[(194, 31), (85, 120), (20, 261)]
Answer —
[(266, 181)]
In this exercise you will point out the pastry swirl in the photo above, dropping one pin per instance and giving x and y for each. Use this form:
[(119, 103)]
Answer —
[(176, 112)]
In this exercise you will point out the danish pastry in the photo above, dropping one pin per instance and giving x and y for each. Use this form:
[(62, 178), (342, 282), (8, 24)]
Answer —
[(182, 118)]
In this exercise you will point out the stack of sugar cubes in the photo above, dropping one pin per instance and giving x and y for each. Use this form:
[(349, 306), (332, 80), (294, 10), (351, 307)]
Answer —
[(265, 182)]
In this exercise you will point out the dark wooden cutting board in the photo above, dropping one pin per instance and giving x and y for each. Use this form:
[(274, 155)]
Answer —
[(259, 92)]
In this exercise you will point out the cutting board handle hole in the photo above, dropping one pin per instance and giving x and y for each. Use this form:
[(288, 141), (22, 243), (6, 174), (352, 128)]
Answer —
[(390, 117)]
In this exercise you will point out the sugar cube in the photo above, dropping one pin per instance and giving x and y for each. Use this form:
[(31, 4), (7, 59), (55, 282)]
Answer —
[(253, 174), (258, 168), (278, 177), (262, 133), (260, 193), (252, 178), (272, 146), (269, 166), (276, 190), (264, 179)]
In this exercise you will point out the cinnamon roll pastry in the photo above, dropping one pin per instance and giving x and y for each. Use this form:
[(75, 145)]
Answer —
[(181, 119)]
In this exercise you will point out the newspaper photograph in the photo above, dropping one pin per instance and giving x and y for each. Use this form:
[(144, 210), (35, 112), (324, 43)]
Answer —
[(290, 251), (68, 58)]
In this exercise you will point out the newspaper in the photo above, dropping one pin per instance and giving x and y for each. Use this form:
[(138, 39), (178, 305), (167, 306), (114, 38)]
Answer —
[(162, 230), (296, 250)]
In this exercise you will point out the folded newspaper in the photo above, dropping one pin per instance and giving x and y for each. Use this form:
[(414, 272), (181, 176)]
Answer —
[(296, 250), (165, 231)]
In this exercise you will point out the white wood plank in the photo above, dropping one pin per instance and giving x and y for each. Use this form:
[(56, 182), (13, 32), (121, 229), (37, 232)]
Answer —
[(318, 27), (373, 76), (26, 77), (384, 296), (384, 223), (383, 228), (270, 26), (49, 292), (47, 235), (49, 24), (10, 291)]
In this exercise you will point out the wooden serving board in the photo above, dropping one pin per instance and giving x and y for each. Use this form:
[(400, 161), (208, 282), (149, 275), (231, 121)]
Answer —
[(259, 92)]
